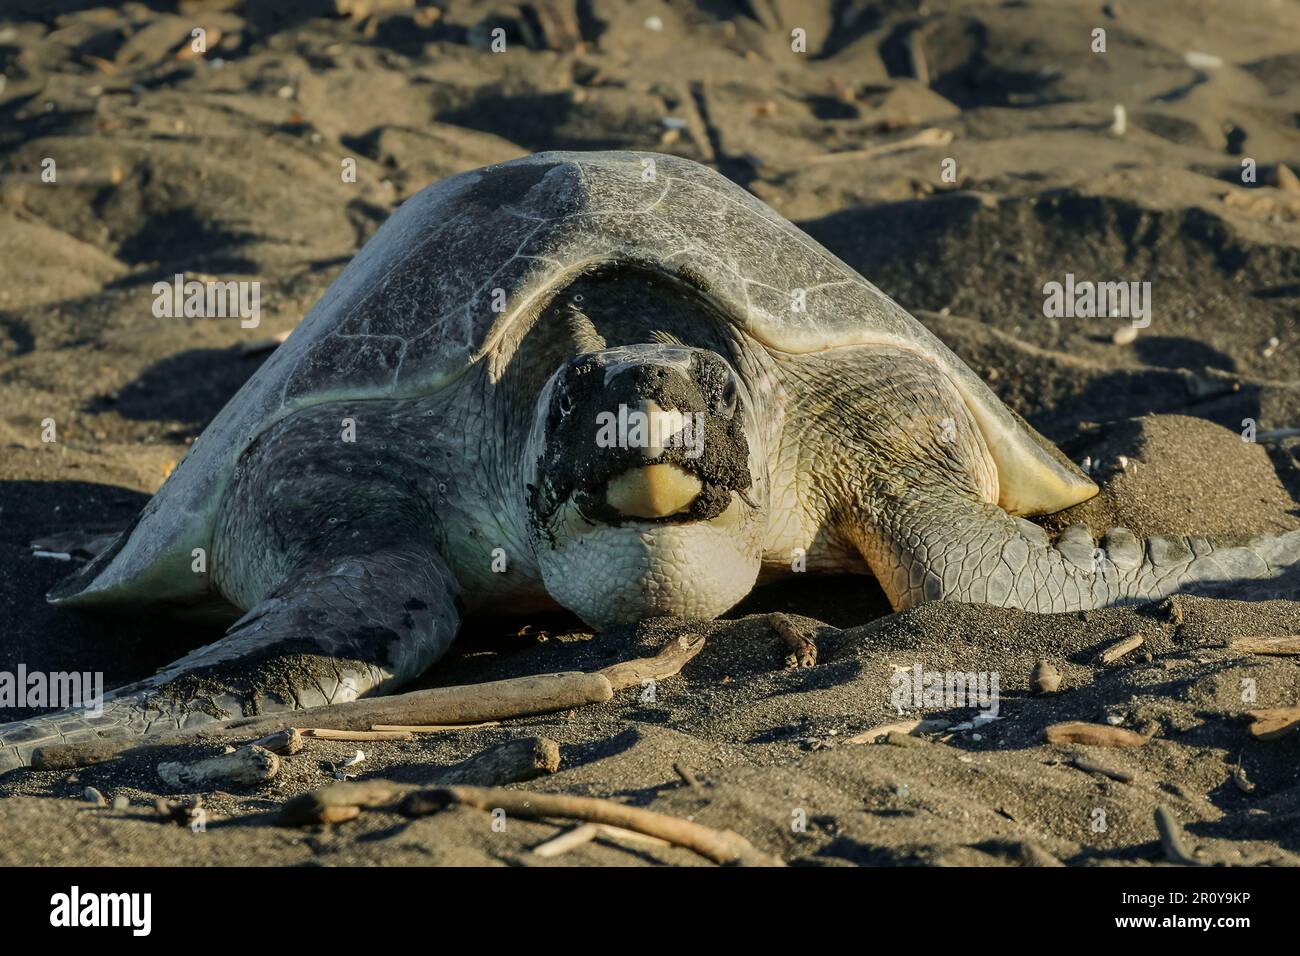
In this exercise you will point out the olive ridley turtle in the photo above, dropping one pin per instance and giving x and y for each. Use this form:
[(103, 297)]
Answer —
[(611, 381)]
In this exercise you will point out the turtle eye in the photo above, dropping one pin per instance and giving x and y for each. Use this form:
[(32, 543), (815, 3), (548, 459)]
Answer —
[(730, 396)]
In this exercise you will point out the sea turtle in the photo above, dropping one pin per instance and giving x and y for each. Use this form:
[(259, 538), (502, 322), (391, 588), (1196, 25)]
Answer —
[(611, 381)]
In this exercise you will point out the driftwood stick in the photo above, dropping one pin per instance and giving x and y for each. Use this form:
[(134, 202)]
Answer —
[(568, 840), (667, 663), (512, 762), (721, 846), (1095, 735), (932, 136), (356, 736), (285, 743), (1277, 646), (441, 708), (435, 728), (71, 756), (338, 802), (1274, 723), (803, 649), (920, 726), (586, 832), (461, 704), (687, 775), (627, 838), (245, 767), (1121, 649)]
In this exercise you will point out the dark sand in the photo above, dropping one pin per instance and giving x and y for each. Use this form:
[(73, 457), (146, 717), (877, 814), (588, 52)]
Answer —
[(170, 164)]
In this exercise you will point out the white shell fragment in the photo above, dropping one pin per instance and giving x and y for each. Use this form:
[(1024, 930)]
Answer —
[(341, 770), (1119, 125), (1202, 61)]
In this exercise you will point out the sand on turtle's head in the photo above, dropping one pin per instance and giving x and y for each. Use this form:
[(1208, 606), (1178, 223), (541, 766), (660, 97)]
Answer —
[(645, 472)]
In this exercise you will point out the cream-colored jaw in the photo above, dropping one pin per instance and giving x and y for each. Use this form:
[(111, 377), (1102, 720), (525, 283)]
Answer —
[(654, 491)]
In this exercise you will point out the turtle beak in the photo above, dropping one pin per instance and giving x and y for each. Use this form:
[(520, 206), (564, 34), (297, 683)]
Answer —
[(652, 491)]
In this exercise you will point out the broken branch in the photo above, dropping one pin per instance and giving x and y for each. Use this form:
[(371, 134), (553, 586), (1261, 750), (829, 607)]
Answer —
[(512, 762), (462, 704), (1095, 735), (245, 767), (1274, 723), (721, 846), (1276, 646), (667, 663)]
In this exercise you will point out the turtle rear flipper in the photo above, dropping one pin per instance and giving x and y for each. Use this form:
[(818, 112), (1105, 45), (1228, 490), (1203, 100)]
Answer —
[(338, 628)]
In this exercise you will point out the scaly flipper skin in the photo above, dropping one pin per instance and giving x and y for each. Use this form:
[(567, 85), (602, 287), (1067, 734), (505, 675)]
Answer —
[(950, 550), (338, 628), (348, 595), (914, 491)]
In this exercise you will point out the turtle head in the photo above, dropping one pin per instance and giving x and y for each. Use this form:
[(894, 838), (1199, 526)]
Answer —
[(643, 497)]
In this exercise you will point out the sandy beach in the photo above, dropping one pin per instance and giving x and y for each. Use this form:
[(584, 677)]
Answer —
[(960, 155)]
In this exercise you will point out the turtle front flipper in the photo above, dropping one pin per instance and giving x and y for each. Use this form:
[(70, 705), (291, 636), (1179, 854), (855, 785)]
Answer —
[(906, 473), (952, 549), (341, 626)]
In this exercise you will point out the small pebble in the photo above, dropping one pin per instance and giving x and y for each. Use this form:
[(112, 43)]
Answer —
[(1120, 648), (91, 795), (1119, 125), (1202, 61), (1045, 679)]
